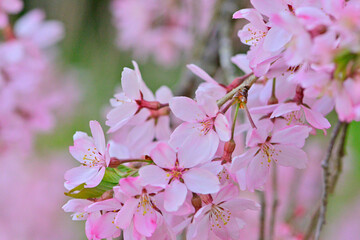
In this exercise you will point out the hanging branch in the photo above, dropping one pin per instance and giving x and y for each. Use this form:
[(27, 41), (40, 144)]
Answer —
[(274, 202), (331, 180), (262, 215)]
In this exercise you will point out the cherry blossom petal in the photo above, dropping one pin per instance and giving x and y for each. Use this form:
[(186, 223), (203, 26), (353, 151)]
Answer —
[(181, 133), (120, 115), (163, 156), (284, 109), (145, 223), (201, 74), (126, 213), (153, 175), (198, 149), (175, 195), (295, 135), (98, 136), (130, 83), (201, 181), (163, 94), (93, 182), (276, 38), (222, 127), (130, 186), (257, 172), (162, 128), (105, 205), (290, 156), (79, 175), (186, 109), (316, 119)]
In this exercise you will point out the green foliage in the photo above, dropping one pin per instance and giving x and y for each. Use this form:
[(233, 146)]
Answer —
[(111, 179)]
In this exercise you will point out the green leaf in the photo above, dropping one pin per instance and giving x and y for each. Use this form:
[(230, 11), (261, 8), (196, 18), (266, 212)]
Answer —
[(111, 179)]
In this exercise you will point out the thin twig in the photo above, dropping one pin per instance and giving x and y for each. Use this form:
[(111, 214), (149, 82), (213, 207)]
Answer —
[(326, 179), (339, 157), (262, 215), (274, 202), (246, 84)]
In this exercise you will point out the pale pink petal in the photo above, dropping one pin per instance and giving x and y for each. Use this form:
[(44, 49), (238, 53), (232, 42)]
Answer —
[(153, 175), (90, 226), (201, 181), (162, 128), (186, 109), (268, 8), (145, 222), (126, 213), (181, 133), (208, 104), (120, 115), (237, 206), (242, 62), (316, 119), (198, 149), (105, 205), (201, 73), (130, 186), (295, 135), (93, 182), (222, 127), (142, 134), (257, 172), (175, 195), (284, 109), (79, 175), (276, 38), (98, 136), (105, 227), (163, 94), (290, 156), (76, 205), (130, 83), (163, 156), (243, 160)]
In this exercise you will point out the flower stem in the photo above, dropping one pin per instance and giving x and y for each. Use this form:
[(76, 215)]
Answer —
[(234, 121)]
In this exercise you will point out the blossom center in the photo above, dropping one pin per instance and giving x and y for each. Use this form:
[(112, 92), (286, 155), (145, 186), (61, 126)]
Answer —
[(206, 125), (145, 205), (269, 153), (93, 158), (219, 217)]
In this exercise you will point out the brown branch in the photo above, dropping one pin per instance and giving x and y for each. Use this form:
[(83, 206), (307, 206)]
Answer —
[(330, 181), (115, 162), (246, 84), (262, 215), (274, 202)]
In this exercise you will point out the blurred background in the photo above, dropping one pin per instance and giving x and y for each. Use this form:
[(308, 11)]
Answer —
[(90, 53)]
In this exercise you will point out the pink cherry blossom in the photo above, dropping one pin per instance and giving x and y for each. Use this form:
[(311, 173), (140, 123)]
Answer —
[(204, 125), (139, 213), (178, 172), (267, 146), (221, 216), (93, 154)]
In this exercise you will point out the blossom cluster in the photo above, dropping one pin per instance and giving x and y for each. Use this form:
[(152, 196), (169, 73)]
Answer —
[(162, 29), (28, 91), (174, 165)]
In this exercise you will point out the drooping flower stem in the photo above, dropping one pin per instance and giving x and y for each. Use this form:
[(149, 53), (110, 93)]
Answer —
[(234, 121)]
